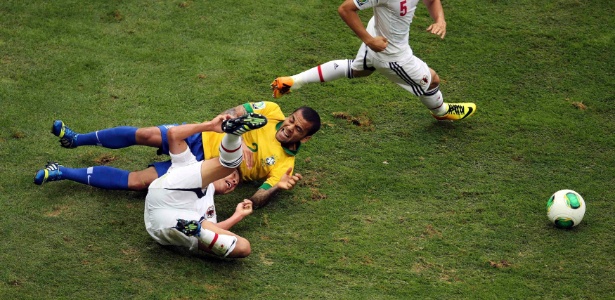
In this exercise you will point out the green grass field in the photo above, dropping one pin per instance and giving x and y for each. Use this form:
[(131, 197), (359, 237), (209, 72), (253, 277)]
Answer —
[(397, 207)]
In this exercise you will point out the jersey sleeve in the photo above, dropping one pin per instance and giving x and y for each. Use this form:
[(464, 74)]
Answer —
[(365, 4), (270, 110), (277, 172)]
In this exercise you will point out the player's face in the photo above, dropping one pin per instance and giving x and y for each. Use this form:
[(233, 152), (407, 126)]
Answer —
[(227, 184), (294, 129)]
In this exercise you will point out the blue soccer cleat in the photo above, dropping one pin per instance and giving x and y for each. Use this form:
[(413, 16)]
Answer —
[(68, 137), (51, 172)]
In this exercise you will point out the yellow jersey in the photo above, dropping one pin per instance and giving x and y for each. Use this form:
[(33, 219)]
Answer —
[(271, 159)]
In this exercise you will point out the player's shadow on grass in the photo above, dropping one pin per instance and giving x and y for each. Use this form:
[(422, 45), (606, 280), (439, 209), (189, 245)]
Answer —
[(450, 129), (182, 255)]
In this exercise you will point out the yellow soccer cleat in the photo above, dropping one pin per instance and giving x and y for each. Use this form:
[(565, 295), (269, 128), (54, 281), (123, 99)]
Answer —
[(281, 86), (457, 111)]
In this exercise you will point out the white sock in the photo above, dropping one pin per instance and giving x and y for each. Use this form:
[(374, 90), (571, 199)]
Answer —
[(434, 101), (219, 244), (328, 71), (230, 151)]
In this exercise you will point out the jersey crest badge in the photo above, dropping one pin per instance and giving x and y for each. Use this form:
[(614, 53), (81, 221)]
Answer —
[(258, 105), (361, 2), (270, 161), (211, 212)]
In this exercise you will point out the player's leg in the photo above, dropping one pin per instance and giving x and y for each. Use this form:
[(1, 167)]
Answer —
[(452, 111), (416, 77), (329, 71), (103, 177), (215, 240), (112, 138), (230, 147)]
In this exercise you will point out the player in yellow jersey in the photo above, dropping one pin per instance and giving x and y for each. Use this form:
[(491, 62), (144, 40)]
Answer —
[(269, 152)]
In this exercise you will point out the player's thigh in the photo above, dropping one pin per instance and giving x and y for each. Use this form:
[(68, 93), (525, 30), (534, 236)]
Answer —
[(140, 180), (362, 64), (413, 75), (160, 222)]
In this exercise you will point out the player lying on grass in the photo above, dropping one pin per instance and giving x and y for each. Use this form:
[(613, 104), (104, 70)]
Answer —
[(179, 206), (385, 49), (269, 152)]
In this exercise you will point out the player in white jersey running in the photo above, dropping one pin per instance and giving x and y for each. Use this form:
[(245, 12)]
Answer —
[(179, 207), (385, 49)]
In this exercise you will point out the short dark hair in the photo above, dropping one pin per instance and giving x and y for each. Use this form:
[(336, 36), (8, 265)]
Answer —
[(312, 116)]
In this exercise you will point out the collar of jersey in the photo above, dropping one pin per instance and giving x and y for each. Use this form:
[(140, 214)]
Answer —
[(288, 151)]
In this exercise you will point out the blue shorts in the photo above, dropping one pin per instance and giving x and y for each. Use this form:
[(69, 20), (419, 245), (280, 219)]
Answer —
[(195, 143)]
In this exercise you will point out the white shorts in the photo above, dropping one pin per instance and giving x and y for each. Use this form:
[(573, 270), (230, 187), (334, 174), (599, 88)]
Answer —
[(411, 73), (159, 224)]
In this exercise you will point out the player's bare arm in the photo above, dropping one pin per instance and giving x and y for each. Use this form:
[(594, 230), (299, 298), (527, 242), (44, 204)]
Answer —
[(178, 134), (235, 111), (437, 14), (348, 11), (242, 210), (287, 182)]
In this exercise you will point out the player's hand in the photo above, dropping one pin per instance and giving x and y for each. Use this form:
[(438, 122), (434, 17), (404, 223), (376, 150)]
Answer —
[(216, 123), (378, 43), (288, 181), (248, 156), (244, 208), (438, 29)]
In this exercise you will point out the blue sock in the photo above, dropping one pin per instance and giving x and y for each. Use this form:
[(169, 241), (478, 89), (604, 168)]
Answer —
[(100, 176), (112, 138)]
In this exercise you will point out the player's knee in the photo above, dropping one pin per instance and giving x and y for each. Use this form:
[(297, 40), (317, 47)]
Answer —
[(139, 181), (242, 249), (149, 136), (361, 73), (435, 80)]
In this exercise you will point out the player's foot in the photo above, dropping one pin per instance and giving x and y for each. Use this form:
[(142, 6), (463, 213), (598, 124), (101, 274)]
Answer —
[(243, 124), (457, 111), (189, 228), (67, 136), (281, 86), (51, 172)]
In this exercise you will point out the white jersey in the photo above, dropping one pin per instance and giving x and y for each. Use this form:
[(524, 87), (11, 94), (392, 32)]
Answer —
[(392, 19), (178, 194)]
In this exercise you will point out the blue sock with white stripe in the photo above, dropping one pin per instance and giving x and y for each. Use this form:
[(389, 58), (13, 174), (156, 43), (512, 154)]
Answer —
[(103, 177), (112, 138)]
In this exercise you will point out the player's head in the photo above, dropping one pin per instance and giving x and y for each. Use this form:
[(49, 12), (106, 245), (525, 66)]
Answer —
[(228, 183), (299, 126)]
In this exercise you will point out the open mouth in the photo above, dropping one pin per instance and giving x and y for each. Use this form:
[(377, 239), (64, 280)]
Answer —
[(283, 130)]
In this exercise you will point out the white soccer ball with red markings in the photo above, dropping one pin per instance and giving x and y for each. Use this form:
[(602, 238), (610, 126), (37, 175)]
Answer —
[(566, 208)]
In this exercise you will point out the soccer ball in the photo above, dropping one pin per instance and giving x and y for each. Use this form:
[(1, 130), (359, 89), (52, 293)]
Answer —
[(565, 208)]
